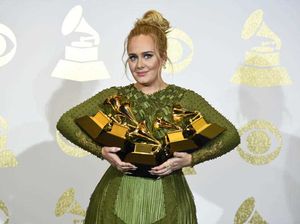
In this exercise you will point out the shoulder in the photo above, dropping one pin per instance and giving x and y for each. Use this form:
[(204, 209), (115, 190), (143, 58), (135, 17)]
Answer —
[(191, 99), (115, 89), (186, 92), (108, 91)]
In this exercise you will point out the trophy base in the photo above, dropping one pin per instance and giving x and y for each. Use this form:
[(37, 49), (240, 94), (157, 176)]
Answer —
[(147, 159), (182, 146), (142, 171), (87, 124), (143, 161), (108, 139)]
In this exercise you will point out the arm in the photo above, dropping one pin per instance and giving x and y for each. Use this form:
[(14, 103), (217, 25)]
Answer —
[(220, 145), (69, 129)]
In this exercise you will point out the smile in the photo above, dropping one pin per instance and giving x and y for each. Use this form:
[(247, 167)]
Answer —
[(141, 73)]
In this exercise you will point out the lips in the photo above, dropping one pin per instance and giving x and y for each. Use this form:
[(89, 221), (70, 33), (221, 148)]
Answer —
[(141, 74)]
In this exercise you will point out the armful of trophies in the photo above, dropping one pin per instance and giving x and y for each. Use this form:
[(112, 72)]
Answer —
[(138, 145)]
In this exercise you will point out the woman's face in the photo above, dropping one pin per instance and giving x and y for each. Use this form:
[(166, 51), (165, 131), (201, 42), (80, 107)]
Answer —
[(143, 59)]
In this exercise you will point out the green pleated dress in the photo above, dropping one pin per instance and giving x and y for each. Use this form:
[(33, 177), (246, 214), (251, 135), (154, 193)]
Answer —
[(121, 199)]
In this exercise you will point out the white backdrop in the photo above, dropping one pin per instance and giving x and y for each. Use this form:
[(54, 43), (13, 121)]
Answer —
[(240, 55)]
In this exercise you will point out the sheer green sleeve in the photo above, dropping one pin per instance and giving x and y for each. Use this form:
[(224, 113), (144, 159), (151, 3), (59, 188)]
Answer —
[(68, 128), (220, 145)]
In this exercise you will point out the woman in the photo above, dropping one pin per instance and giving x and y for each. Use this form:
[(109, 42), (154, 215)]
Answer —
[(120, 198)]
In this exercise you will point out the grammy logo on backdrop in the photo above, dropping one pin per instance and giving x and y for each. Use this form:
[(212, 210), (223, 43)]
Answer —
[(4, 211), (247, 213), (261, 67), (67, 204), (7, 158), (261, 142), (180, 50), (5, 54), (81, 57)]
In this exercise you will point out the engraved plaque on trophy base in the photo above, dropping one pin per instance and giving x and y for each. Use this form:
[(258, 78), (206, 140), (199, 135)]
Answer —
[(142, 154), (177, 143)]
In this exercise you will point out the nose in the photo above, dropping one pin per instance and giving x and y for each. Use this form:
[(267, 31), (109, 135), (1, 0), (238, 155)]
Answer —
[(140, 64)]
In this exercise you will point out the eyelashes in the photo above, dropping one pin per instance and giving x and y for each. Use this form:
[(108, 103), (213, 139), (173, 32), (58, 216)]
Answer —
[(148, 56), (145, 56)]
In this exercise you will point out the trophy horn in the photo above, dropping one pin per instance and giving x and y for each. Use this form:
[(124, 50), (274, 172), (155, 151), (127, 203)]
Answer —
[(114, 102), (141, 133), (162, 123), (179, 113), (126, 110)]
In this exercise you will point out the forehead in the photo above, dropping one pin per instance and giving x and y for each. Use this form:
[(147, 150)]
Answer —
[(141, 43)]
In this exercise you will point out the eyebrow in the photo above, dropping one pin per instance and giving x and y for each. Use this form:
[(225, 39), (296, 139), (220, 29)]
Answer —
[(145, 52)]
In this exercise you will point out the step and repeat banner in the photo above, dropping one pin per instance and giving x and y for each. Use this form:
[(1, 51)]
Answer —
[(241, 56)]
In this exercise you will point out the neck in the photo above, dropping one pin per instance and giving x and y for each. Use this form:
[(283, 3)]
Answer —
[(149, 89)]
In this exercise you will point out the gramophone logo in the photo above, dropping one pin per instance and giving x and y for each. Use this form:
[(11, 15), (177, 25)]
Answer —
[(189, 171), (180, 51), (4, 215), (247, 213), (67, 204), (7, 40), (7, 158), (81, 56), (262, 63), (69, 148), (258, 138)]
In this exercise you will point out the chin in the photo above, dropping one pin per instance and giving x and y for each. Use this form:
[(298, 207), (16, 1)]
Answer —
[(142, 80)]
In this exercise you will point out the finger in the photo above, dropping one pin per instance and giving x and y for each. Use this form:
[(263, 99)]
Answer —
[(179, 154), (165, 173), (114, 160), (159, 172), (160, 167), (131, 166), (128, 165), (125, 169), (114, 149)]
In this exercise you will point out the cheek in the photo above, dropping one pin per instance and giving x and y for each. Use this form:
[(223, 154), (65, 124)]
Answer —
[(131, 66), (152, 63), (155, 65)]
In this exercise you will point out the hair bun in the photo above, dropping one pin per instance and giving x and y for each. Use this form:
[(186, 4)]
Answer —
[(154, 18)]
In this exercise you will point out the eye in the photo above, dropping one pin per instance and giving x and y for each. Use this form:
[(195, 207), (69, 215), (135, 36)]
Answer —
[(132, 57), (147, 56)]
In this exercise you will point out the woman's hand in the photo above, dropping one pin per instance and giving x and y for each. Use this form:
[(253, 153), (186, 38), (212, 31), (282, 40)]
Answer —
[(180, 160), (109, 153)]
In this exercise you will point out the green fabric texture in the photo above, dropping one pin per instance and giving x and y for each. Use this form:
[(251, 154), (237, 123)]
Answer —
[(132, 196), (124, 199), (68, 128), (220, 145)]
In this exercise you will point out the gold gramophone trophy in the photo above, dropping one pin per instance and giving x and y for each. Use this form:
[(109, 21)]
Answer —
[(190, 138), (178, 140), (198, 130), (142, 147), (174, 141), (106, 130), (138, 145)]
